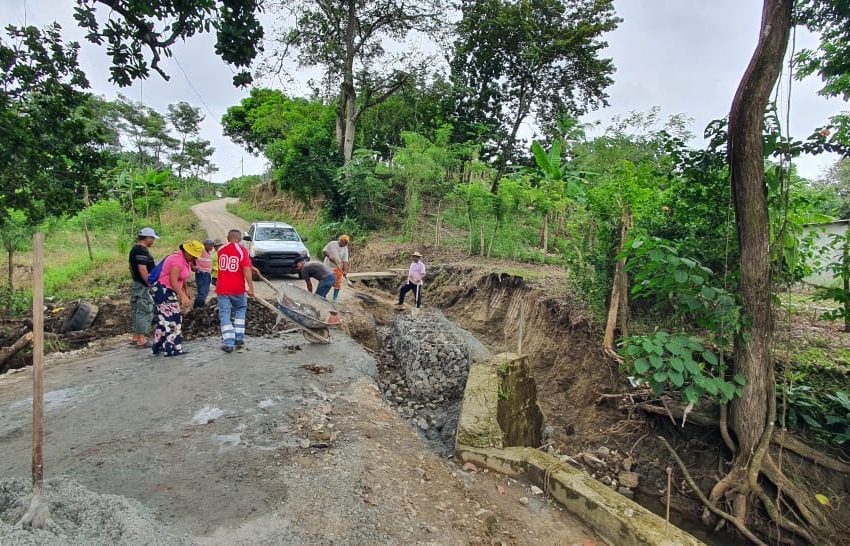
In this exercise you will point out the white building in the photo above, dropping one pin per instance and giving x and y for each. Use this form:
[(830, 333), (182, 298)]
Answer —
[(823, 239)]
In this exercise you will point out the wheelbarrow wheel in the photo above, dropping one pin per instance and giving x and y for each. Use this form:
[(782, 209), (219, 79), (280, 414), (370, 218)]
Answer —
[(320, 335)]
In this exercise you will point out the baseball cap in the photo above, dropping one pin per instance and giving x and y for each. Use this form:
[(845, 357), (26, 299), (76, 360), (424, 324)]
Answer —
[(193, 248), (417, 255), (209, 242), (148, 232), (217, 243), (301, 258)]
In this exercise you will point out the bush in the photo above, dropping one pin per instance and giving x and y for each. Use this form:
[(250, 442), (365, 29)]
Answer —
[(104, 215)]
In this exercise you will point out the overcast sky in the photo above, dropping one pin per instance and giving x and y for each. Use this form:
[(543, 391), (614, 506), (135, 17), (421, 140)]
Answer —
[(685, 56)]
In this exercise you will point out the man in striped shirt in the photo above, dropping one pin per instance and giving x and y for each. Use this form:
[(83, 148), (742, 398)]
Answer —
[(203, 274)]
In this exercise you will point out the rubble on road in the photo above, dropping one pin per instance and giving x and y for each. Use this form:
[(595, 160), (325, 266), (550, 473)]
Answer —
[(260, 321)]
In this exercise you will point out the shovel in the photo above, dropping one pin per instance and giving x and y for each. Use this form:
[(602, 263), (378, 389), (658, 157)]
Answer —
[(415, 311)]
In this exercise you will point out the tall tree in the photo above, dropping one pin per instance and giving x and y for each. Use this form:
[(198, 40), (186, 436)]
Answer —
[(52, 144), (198, 154), (295, 134), (346, 38), (517, 58), (186, 120), (753, 413), (50, 148), (139, 33)]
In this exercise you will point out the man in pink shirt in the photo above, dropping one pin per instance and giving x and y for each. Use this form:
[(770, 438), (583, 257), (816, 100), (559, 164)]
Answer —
[(415, 277)]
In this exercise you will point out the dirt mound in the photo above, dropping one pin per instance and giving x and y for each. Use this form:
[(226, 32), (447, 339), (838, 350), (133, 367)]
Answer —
[(80, 516)]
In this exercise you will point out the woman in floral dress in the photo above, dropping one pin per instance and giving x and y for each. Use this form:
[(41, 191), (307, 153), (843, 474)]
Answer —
[(169, 296)]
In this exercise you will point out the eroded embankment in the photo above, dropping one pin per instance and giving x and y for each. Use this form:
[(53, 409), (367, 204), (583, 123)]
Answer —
[(558, 336)]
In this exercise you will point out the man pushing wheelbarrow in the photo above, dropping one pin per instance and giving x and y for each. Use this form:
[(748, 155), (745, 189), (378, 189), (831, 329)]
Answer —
[(312, 314)]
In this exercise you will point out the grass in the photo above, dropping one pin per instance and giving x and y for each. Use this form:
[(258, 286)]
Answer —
[(70, 274)]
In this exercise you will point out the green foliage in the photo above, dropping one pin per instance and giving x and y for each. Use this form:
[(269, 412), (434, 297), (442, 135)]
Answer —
[(680, 362), (831, 60), (825, 416), (840, 420), (141, 32), (681, 285), (418, 106), (51, 147), (106, 214), (840, 269), (240, 186), (686, 289), (364, 192), (512, 59), (296, 136)]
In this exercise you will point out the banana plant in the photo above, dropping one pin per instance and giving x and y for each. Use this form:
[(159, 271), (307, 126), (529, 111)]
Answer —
[(556, 186)]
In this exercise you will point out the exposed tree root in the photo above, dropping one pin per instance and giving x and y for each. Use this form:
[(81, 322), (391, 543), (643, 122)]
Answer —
[(787, 442), (737, 522)]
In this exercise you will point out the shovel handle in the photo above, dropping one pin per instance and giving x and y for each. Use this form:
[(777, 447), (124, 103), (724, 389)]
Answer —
[(268, 283)]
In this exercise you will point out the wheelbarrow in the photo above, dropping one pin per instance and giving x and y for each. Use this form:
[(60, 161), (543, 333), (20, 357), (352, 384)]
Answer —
[(313, 315)]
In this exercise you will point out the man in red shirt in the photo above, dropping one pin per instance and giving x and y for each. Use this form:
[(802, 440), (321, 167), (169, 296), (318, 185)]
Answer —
[(234, 275)]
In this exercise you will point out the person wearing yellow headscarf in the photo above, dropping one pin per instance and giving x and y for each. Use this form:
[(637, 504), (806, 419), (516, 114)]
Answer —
[(170, 296)]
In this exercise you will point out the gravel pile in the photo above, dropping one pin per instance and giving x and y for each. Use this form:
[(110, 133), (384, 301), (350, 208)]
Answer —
[(80, 517)]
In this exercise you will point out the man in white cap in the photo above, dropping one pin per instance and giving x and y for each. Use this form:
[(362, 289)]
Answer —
[(415, 277), (141, 304)]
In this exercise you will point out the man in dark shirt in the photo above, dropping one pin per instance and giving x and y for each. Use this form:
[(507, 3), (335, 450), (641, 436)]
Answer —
[(318, 271), (141, 304)]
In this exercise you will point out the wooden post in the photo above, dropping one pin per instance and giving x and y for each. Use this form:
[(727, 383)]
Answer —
[(37, 515), (37, 361), (482, 239), (616, 289), (85, 221)]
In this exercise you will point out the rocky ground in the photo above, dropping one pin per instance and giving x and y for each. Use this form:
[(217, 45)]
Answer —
[(286, 443)]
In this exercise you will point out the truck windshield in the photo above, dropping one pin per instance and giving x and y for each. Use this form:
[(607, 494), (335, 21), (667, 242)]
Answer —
[(275, 234)]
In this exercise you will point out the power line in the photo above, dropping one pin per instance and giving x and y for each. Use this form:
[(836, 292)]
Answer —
[(192, 86)]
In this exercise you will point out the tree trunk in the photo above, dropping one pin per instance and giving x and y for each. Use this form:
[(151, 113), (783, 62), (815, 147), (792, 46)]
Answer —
[(521, 114), (10, 286), (746, 161), (482, 241), (85, 221), (845, 267), (544, 234), (493, 238), (350, 126), (345, 119)]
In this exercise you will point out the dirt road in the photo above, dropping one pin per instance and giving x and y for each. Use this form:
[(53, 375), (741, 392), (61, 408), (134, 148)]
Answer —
[(216, 219), (255, 449)]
